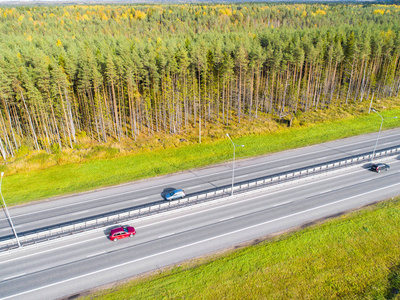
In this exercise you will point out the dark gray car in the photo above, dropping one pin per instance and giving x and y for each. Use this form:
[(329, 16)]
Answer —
[(380, 167)]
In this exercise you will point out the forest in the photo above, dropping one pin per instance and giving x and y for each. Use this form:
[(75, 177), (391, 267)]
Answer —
[(112, 72)]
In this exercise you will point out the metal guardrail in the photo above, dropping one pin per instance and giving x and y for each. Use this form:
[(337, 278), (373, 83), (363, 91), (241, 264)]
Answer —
[(66, 229)]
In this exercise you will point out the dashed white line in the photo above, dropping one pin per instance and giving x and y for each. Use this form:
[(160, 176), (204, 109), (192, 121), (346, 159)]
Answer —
[(165, 235), (15, 276), (225, 219), (196, 186), (80, 212), (99, 253), (284, 203)]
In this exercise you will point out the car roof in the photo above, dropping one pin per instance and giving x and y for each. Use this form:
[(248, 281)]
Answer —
[(118, 229)]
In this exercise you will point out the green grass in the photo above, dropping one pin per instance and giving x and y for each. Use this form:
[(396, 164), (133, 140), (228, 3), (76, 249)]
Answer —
[(355, 256), (77, 177)]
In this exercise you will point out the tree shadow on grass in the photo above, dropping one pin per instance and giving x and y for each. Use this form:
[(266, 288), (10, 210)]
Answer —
[(394, 283)]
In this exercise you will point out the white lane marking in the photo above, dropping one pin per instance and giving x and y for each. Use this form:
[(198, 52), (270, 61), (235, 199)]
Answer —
[(99, 253), (165, 235), (80, 212), (138, 199), (284, 203), (229, 218), (320, 158), (196, 186), (198, 177), (193, 244), (15, 276), (242, 176)]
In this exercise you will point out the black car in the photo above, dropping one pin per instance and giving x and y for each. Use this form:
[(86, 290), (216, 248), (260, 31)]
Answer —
[(380, 167)]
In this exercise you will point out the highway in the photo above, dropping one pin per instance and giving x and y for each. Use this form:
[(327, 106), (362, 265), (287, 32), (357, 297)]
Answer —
[(145, 192), (68, 266)]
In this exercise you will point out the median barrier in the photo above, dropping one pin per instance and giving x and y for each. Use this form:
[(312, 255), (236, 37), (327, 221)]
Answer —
[(70, 227)]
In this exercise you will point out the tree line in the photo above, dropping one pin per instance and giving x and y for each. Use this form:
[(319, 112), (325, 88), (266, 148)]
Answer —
[(120, 71)]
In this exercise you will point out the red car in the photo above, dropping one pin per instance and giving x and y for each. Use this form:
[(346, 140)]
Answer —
[(121, 233)]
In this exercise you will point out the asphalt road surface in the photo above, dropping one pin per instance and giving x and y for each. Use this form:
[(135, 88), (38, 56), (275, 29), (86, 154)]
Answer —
[(68, 266)]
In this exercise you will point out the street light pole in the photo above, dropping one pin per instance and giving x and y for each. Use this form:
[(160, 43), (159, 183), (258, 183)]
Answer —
[(7, 213), (233, 164), (379, 133)]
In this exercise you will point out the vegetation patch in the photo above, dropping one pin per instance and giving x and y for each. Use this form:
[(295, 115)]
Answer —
[(355, 256)]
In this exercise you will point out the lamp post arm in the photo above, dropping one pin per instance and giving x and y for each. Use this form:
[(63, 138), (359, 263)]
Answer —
[(379, 133), (233, 162)]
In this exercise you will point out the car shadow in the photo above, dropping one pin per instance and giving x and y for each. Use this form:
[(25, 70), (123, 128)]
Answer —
[(107, 230), (368, 166)]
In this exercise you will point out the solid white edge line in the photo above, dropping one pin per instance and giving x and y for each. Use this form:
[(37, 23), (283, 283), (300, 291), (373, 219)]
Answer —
[(195, 243)]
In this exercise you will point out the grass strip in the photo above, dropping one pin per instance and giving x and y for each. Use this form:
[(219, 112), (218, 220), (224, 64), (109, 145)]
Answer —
[(77, 177), (355, 256)]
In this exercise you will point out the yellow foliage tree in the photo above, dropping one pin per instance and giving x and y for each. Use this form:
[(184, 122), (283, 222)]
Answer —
[(379, 11), (320, 12), (140, 15)]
